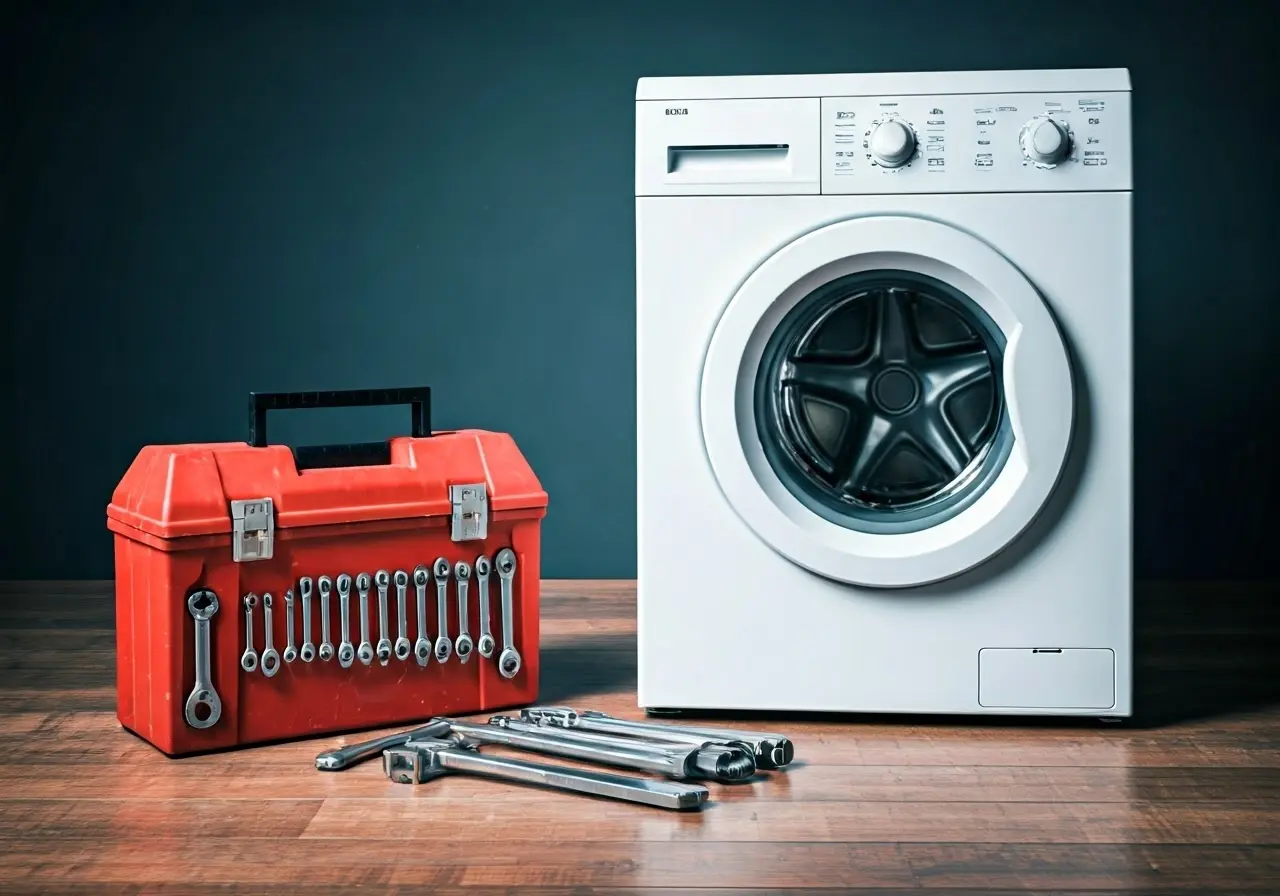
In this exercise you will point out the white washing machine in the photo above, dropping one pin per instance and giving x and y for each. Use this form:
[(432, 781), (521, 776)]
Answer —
[(884, 393)]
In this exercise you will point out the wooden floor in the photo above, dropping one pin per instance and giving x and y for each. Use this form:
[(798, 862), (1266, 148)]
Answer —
[(1186, 802)]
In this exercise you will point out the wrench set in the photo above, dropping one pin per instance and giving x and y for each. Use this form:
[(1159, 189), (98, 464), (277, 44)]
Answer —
[(267, 593), (680, 755)]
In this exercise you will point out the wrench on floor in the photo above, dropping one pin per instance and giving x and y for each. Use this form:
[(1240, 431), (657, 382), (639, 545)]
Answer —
[(509, 661), (462, 647), (345, 757), (249, 659), (325, 586), (203, 606), (270, 658), (485, 645), (346, 652), (422, 647), (444, 647), (403, 647)]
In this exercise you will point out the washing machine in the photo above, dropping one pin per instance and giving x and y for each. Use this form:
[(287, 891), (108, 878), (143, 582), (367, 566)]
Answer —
[(884, 391)]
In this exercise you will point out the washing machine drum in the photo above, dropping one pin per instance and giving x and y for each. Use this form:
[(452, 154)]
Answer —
[(887, 402)]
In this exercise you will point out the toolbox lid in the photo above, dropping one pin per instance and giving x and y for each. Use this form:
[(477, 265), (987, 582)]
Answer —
[(175, 491)]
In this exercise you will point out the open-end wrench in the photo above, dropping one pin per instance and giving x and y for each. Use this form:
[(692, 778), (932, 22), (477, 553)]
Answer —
[(345, 757), (325, 586), (270, 658), (423, 759), (422, 647), (382, 579), (308, 650), (403, 647), (249, 659), (290, 652), (365, 650), (509, 660), (202, 605), (444, 647), (346, 652), (485, 644), (462, 647)]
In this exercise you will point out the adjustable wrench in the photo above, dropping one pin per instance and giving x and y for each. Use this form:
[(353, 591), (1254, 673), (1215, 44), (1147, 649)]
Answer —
[(270, 658), (249, 659), (444, 647), (202, 605), (422, 647), (324, 586), (365, 651), (509, 660), (346, 653), (382, 579), (403, 647), (308, 650), (462, 646), (290, 652), (485, 645)]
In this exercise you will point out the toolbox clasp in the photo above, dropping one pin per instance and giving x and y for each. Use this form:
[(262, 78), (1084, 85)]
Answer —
[(470, 512), (253, 530)]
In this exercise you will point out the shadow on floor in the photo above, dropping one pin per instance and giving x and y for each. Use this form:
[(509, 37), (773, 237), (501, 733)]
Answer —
[(591, 665)]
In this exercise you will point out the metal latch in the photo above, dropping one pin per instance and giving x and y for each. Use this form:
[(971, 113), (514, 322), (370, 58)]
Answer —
[(253, 530), (470, 512)]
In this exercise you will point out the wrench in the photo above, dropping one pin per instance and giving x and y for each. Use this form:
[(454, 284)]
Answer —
[(444, 647), (346, 653), (365, 651), (344, 757), (382, 579), (485, 645), (202, 605), (509, 660), (308, 651), (403, 647), (290, 652), (422, 647), (270, 658), (462, 646), (249, 659), (325, 586)]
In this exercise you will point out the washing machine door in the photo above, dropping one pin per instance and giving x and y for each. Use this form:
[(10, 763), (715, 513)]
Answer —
[(887, 402)]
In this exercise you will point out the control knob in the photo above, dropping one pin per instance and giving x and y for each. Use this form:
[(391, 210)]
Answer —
[(1045, 141), (892, 143)]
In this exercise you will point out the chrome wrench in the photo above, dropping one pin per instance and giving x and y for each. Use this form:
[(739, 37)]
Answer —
[(345, 757), (462, 647), (290, 652), (203, 605), (509, 660), (403, 647), (485, 645), (308, 650), (270, 658), (382, 579), (249, 659), (444, 647), (325, 586), (346, 653), (422, 647), (365, 651)]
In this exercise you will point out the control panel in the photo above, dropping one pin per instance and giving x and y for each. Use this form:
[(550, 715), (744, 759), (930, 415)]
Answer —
[(978, 143)]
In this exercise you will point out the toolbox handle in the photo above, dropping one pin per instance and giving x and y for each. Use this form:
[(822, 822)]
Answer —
[(418, 398)]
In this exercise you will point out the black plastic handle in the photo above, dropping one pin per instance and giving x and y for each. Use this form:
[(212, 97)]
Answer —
[(418, 398)]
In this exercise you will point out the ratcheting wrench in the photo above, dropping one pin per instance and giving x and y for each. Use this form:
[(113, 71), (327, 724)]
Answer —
[(324, 586), (308, 650), (346, 652), (270, 658), (365, 651), (422, 647), (290, 652), (382, 579), (462, 646), (249, 659), (509, 660), (485, 645), (444, 647), (403, 647), (202, 605)]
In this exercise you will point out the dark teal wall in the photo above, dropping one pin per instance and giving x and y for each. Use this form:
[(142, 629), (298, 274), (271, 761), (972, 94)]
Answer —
[(288, 196)]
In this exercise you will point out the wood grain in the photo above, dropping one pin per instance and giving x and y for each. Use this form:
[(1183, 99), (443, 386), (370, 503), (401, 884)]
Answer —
[(1187, 802)]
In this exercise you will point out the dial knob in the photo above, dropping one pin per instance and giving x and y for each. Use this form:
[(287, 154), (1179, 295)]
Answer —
[(1045, 141), (892, 144)]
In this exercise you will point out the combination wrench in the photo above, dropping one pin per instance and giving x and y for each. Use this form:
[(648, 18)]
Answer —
[(382, 579), (249, 659), (325, 586), (203, 605), (403, 647), (422, 647), (365, 650), (462, 647), (509, 660), (290, 652), (486, 644), (270, 658), (308, 651), (346, 652), (444, 647)]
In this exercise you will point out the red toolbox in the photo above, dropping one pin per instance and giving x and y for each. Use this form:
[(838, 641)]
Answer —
[(347, 550)]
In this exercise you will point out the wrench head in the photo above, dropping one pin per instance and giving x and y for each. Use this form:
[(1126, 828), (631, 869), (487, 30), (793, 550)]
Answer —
[(381, 578), (421, 575), (308, 652), (270, 663), (304, 585), (402, 579), (482, 566), (462, 569), (505, 562), (560, 716), (202, 604), (444, 650), (384, 651), (441, 568), (414, 765), (290, 654), (325, 585), (326, 651), (362, 582), (486, 645), (509, 663), (344, 584), (422, 651), (462, 647), (365, 653), (346, 655), (403, 649), (203, 709), (249, 661)]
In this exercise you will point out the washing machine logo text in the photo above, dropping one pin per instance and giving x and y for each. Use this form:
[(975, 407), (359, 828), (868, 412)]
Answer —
[(677, 111)]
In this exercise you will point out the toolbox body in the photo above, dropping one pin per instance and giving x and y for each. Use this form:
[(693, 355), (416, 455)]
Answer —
[(250, 518)]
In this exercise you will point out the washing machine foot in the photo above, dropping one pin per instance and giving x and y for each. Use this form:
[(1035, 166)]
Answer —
[(662, 711)]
